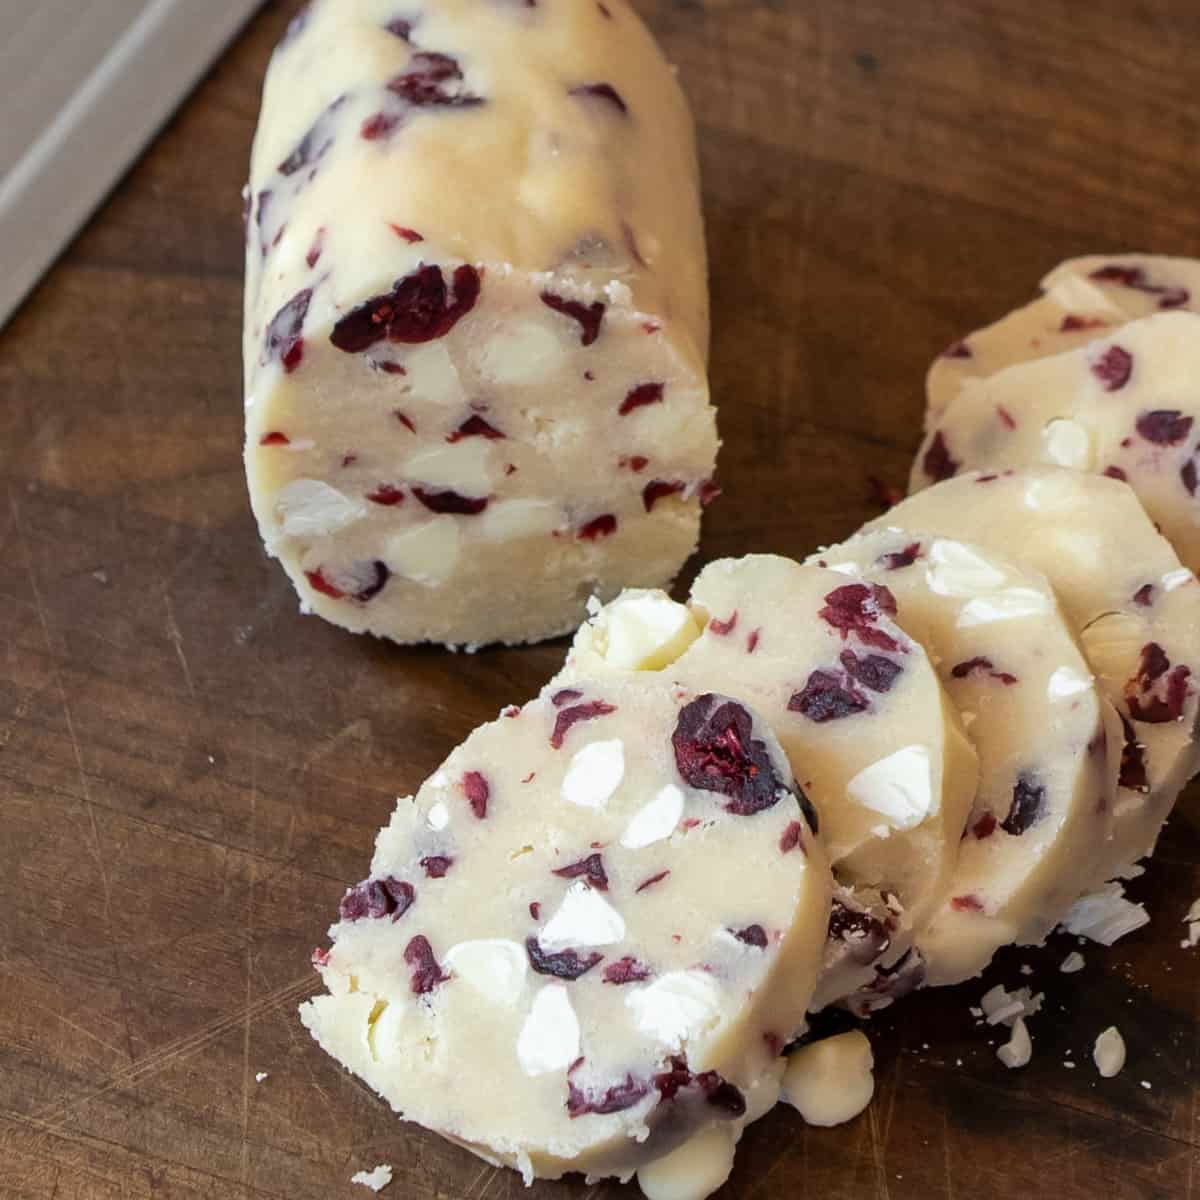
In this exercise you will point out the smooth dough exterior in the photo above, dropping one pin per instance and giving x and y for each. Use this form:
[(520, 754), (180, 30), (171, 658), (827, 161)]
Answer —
[(476, 316), (560, 960), (1082, 299), (858, 709), (1049, 743), (1133, 607)]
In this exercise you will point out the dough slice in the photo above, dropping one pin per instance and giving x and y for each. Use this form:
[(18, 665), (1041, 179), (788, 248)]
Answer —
[(589, 934), (857, 707), (1048, 742), (1133, 607)]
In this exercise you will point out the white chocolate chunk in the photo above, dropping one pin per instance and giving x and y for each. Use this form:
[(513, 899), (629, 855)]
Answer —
[(376, 1179), (595, 774), (644, 630), (549, 1039), (425, 553), (955, 569), (495, 967), (585, 918), (899, 787), (1066, 444), (676, 1008), (1109, 1052), (1011, 604), (308, 508), (831, 1081), (656, 820), (1018, 1050), (692, 1172), (1072, 963), (1066, 682), (1105, 916), (511, 519)]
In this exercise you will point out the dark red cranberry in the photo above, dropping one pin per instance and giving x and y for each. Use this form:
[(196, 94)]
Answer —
[(275, 438), (1028, 804), (648, 883), (708, 492), (478, 792), (635, 462), (590, 868), (1133, 761), (262, 207), (475, 426), (1150, 702), (886, 495), (1164, 426), (957, 350), (589, 316), (386, 494), (856, 607), (430, 81), (752, 935), (722, 1094), (314, 145), (427, 973), (401, 27), (451, 502), (405, 421), (792, 837), (283, 340), (659, 489), (375, 898), (827, 696), (715, 751), (1144, 595), (616, 1099), (938, 463), (640, 396), (755, 636), (1113, 368), (863, 934), (535, 910), (1187, 474), (873, 671), (724, 628), (378, 126), (984, 827), (372, 576), (598, 527), (565, 696), (981, 666), (626, 970), (1135, 277), (603, 91), (1116, 473), (436, 865), (1074, 324), (317, 248), (417, 309), (409, 235), (573, 715), (1006, 418), (966, 904), (899, 559), (319, 957), (565, 964)]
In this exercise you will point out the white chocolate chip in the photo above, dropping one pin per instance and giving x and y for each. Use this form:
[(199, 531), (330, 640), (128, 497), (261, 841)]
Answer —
[(376, 1179), (655, 820), (957, 570), (1105, 916), (1081, 297), (463, 466), (383, 1033), (831, 1081), (692, 1171), (1012, 604), (1066, 682), (439, 816), (426, 553), (1109, 1052), (520, 352), (308, 508), (676, 1007), (644, 631), (584, 918), (1072, 963), (495, 967), (1018, 1050), (899, 787), (512, 519), (549, 1039), (1066, 443), (1176, 579), (845, 568), (433, 376), (594, 774)]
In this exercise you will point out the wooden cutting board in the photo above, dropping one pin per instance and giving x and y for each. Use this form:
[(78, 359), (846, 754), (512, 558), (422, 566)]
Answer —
[(190, 772)]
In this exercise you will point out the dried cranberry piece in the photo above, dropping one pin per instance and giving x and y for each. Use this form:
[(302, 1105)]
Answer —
[(900, 558), (865, 936), (715, 751), (1149, 703), (475, 426), (635, 462), (886, 495), (386, 494), (319, 583), (283, 340), (478, 792), (1116, 473), (565, 696), (1133, 761), (752, 640), (590, 868), (1187, 473), (436, 865), (724, 628), (659, 489), (981, 665), (855, 608), (372, 575), (376, 898), (647, 883), (262, 206), (275, 438), (378, 126), (1135, 277), (589, 316), (958, 349), (1164, 426), (640, 396), (626, 970), (1028, 804), (792, 837), (984, 827), (827, 697), (752, 935), (409, 235), (966, 904), (314, 145), (938, 463), (603, 91), (451, 502), (565, 964), (401, 27), (317, 248), (407, 422), (417, 309), (598, 527), (427, 973), (1073, 324), (708, 492), (616, 1099), (674, 1079), (720, 1093), (1113, 368), (873, 671), (428, 82), (1144, 595), (576, 713)]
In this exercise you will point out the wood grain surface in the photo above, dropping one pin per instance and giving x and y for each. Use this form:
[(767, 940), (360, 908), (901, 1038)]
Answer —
[(191, 772)]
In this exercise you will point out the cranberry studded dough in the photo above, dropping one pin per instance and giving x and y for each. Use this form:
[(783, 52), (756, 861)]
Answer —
[(858, 709), (1049, 744), (1082, 299), (560, 959), (476, 316), (1134, 609)]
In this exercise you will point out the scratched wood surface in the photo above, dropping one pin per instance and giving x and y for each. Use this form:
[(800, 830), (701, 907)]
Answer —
[(190, 772)]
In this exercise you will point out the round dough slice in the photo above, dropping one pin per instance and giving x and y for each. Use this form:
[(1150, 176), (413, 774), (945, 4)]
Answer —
[(1133, 607), (589, 934), (476, 322), (1126, 407), (857, 707), (1082, 299), (1048, 742)]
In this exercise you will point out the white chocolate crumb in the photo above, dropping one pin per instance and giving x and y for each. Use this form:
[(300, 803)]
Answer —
[(1018, 1050), (376, 1179), (260, 1076), (1072, 963), (1109, 1052)]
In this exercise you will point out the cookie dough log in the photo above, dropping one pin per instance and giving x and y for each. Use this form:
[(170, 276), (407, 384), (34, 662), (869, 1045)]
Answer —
[(1082, 299), (1049, 743), (1134, 608), (588, 936), (1124, 406), (476, 316), (858, 709)]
